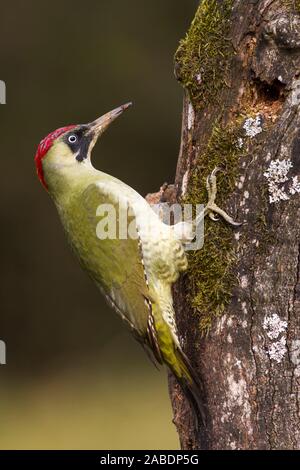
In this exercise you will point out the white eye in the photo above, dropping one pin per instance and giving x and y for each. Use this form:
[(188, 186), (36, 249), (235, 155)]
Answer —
[(72, 139)]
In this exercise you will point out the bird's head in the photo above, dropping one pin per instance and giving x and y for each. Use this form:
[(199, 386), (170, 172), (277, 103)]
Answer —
[(71, 146)]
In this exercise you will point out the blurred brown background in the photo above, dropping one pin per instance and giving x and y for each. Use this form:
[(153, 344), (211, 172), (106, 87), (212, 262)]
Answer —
[(74, 377)]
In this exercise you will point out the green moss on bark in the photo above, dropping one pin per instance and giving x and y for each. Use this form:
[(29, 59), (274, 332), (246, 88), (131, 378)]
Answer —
[(202, 56), (210, 269)]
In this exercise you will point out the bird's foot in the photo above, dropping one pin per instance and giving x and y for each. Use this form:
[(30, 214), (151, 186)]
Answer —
[(211, 209)]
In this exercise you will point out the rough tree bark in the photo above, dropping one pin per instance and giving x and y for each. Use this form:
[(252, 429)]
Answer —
[(238, 306)]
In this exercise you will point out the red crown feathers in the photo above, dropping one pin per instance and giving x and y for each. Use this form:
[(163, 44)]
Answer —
[(43, 148)]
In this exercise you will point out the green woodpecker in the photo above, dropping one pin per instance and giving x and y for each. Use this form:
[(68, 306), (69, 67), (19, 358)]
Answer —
[(134, 273)]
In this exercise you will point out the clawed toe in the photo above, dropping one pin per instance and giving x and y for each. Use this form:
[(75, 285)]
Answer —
[(215, 171), (211, 209), (213, 217)]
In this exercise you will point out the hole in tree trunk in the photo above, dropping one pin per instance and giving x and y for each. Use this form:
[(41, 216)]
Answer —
[(269, 92)]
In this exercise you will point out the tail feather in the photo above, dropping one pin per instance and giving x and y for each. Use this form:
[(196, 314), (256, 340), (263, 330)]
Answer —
[(193, 390), (172, 355)]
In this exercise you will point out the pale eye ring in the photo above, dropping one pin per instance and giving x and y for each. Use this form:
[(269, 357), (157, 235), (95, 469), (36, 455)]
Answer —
[(72, 139)]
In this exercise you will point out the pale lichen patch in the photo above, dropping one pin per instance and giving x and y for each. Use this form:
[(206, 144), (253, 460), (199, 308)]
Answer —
[(277, 350), (253, 127), (274, 327), (295, 187), (277, 176)]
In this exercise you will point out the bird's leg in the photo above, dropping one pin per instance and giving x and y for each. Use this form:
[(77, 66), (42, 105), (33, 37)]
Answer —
[(185, 231), (211, 208)]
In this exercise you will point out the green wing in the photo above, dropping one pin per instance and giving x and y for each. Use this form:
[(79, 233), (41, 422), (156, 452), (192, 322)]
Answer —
[(114, 264)]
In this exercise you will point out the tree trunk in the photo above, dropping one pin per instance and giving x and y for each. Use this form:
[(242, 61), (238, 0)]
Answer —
[(238, 306)]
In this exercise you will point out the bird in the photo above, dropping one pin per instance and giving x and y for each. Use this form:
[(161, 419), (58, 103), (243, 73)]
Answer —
[(134, 273)]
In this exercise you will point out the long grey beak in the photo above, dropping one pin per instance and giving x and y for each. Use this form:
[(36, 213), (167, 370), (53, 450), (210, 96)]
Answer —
[(101, 124)]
